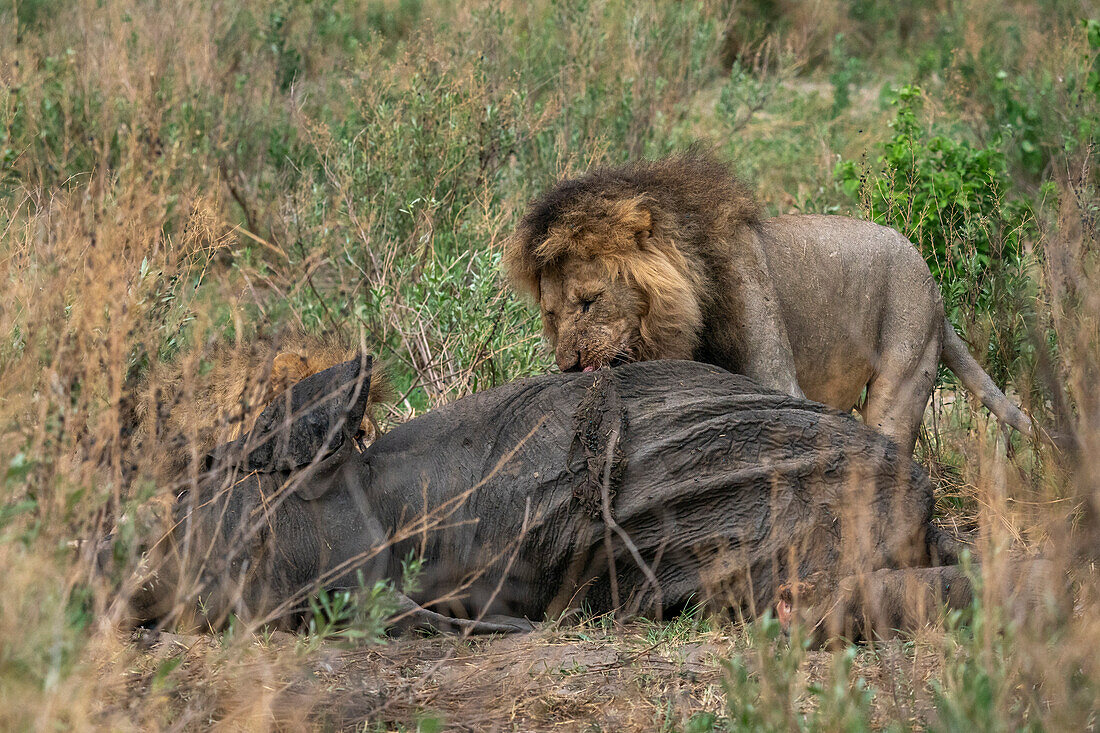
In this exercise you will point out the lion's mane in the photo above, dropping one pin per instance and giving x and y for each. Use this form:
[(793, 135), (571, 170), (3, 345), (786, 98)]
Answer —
[(693, 210), (184, 407)]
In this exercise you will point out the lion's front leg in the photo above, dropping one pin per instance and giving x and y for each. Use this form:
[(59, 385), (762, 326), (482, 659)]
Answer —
[(755, 337), (766, 355)]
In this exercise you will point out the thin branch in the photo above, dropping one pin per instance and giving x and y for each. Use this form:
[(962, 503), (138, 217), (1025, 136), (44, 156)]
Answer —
[(609, 522)]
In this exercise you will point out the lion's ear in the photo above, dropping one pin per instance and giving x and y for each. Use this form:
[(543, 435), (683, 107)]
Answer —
[(520, 264), (634, 216), (286, 369)]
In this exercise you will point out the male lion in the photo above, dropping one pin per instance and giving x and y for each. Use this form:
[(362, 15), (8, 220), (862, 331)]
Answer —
[(671, 260)]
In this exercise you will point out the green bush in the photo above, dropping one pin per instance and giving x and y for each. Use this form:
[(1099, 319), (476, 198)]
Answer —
[(954, 200), (764, 690), (1035, 113)]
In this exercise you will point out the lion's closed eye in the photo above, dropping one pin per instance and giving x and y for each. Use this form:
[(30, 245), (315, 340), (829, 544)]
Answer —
[(587, 301)]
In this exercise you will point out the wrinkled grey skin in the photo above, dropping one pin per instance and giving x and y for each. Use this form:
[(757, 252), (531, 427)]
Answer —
[(726, 493), (265, 522)]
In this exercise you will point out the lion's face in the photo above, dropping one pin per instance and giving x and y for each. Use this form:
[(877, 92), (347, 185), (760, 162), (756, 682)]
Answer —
[(611, 281), (591, 316)]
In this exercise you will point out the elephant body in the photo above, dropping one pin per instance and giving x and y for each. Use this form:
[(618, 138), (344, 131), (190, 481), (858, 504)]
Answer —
[(700, 487)]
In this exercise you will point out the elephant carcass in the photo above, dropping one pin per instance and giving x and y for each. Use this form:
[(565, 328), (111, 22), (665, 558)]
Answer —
[(649, 487)]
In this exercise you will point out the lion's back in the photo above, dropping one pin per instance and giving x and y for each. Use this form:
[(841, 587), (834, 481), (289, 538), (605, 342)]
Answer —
[(844, 285)]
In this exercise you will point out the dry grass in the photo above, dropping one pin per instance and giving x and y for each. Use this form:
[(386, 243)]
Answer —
[(180, 183), (633, 677)]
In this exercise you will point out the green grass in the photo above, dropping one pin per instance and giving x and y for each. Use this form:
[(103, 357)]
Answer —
[(173, 177)]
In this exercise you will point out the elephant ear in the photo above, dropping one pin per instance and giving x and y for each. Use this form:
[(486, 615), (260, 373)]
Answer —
[(313, 424)]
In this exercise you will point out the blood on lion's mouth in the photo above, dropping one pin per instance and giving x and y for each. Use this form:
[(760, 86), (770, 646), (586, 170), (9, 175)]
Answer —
[(623, 357)]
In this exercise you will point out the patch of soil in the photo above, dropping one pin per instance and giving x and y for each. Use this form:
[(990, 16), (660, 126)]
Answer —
[(634, 678)]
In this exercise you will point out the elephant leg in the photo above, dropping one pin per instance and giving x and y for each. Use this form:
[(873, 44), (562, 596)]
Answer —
[(881, 603), (899, 391), (873, 605), (410, 614)]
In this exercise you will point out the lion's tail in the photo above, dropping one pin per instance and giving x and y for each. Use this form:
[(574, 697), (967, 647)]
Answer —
[(958, 359)]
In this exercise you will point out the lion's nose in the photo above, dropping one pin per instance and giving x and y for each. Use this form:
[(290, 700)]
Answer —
[(569, 361)]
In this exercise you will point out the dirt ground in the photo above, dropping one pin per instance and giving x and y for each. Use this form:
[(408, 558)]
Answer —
[(637, 677)]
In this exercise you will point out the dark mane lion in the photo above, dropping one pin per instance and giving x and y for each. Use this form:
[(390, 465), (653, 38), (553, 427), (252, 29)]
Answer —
[(691, 194), (650, 224), (670, 259)]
